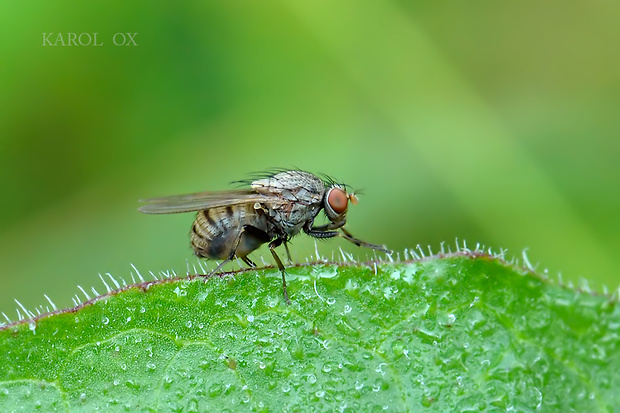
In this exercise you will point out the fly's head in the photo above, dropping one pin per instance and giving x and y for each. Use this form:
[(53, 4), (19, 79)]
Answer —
[(335, 203)]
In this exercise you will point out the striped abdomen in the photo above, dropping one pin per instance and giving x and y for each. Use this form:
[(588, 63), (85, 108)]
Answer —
[(216, 230)]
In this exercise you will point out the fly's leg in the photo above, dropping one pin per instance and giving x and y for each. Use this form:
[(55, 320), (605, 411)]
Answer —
[(347, 235), (272, 245), (249, 262), (259, 237), (233, 251), (219, 267), (288, 253), (319, 232)]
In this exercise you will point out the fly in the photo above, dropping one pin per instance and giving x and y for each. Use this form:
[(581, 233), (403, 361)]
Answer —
[(275, 208)]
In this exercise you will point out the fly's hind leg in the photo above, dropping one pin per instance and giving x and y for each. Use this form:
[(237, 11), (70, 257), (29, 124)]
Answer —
[(233, 251), (248, 261), (272, 245)]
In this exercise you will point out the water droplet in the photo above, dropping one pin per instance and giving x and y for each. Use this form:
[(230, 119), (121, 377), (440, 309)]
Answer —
[(347, 309), (167, 382), (188, 324), (327, 368), (286, 388), (311, 378), (132, 384), (397, 347), (150, 366), (142, 310), (129, 319), (331, 301), (105, 320), (250, 318), (116, 382), (320, 393)]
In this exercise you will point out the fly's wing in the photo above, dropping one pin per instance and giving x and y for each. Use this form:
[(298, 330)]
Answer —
[(204, 200)]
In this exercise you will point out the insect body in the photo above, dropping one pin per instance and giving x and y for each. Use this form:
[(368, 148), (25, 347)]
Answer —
[(234, 223)]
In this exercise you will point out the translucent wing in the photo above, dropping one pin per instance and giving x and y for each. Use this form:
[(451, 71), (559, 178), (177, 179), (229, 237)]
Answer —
[(204, 200)]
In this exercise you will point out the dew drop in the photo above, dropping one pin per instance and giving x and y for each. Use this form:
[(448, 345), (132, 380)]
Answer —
[(188, 324), (311, 378), (142, 310), (331, 301), (167, 382), (398, 346), (150, 366), (327, 368), (129, 319), (320, 393), (105, 320)]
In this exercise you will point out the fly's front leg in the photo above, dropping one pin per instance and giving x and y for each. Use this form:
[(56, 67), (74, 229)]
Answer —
[(272, 245), (347, 235), (320, 232)]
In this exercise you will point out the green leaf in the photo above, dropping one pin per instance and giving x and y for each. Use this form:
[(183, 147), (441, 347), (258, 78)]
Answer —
[(467, 332)]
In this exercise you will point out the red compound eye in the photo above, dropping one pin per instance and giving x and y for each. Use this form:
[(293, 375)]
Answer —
[(337, 200)]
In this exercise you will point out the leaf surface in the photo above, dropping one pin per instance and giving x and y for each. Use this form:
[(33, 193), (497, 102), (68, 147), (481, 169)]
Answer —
[(465, 332)]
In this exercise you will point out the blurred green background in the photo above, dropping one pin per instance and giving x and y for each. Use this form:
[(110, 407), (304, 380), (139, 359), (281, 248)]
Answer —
[(493, 122)]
